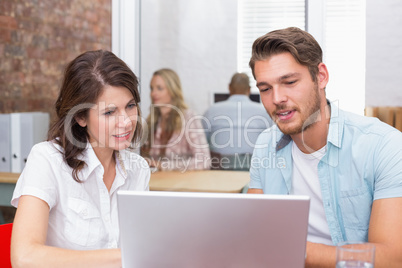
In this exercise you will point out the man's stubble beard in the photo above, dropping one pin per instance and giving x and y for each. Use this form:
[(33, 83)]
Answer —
[(312, 115)]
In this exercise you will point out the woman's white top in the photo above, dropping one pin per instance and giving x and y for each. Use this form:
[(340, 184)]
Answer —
[(82, 215)]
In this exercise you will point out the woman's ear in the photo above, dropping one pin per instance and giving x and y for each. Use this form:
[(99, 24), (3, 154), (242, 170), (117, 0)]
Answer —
[(81, 121)]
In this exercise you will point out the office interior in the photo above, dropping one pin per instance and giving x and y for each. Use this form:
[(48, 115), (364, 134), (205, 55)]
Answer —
[(38, 38)]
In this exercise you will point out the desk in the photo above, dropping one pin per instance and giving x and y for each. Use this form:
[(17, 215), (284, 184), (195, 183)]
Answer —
[(190, 181), (222, 181)]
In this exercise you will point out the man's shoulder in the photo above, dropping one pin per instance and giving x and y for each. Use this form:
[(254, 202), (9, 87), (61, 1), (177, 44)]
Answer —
[(219, 107), (270, 136), (224, 103), (256, 106), (234, 105), (363, 134), (366, 125)]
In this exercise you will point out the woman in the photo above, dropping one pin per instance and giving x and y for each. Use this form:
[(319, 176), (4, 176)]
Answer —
[(176, 139), (66, 195)]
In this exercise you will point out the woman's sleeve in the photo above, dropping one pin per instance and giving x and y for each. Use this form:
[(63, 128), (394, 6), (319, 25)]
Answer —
[(38, 177)]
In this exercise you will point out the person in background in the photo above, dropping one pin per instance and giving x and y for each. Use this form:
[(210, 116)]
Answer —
[(232, 126), (66, 195), (176, 140), (349, 165)]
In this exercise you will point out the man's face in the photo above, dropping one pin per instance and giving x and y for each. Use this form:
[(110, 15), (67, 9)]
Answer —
[(288, 93)]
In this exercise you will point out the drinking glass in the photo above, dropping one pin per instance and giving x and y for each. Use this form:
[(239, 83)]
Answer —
[(355, 254)]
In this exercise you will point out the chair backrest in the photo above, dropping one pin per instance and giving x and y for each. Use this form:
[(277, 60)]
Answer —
[(5, 242)]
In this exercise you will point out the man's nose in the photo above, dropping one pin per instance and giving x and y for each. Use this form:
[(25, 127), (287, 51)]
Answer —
[(278, 95)]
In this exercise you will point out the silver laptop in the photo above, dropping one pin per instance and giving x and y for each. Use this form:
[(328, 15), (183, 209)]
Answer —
[(190, 230)]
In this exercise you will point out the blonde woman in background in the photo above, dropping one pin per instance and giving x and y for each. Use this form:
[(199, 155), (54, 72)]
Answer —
[(176, 140)]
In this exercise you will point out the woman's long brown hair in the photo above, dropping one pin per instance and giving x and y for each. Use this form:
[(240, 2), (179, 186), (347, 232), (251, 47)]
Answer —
[(84, 80)]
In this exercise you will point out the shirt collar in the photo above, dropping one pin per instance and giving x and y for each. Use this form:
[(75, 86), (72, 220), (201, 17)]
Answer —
[(335, 130), (91, 162), (120, 156), (336, 125)]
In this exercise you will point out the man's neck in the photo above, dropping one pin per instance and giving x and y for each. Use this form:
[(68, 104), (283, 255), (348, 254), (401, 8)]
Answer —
[(315, 137)]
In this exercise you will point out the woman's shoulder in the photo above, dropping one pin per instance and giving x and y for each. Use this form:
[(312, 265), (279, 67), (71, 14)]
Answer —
[(46, 151), (188, 113), (50, 148)]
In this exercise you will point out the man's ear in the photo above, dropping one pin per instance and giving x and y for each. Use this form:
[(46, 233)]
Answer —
[(81, 121), (323, 75), (230, 90)]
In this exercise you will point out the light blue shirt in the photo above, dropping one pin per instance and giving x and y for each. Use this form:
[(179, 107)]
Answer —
[(233, 126), (363, 163)]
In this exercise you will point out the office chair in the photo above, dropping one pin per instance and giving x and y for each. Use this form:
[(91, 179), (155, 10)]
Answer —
[(5, 241)]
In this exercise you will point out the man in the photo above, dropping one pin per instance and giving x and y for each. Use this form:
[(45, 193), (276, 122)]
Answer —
[(349, 165), (232, 126)]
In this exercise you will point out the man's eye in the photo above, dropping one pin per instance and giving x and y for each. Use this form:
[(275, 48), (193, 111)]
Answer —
[(291, 82)]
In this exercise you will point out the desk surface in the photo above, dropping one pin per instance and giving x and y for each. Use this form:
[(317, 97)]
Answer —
[(190, 181), (199, 181), (9, 177)]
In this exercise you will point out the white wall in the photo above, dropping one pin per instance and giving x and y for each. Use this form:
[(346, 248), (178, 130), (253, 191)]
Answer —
[(384, 53), (197, 39)]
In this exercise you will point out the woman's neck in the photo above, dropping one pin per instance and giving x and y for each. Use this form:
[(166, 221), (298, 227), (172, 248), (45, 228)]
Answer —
[(165, 112), (107, 159)]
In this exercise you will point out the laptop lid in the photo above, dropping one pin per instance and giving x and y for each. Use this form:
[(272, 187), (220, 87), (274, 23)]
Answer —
[(177, 229)]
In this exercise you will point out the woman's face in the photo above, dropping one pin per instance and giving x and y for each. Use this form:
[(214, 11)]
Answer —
[(159, 92), (111, 122)]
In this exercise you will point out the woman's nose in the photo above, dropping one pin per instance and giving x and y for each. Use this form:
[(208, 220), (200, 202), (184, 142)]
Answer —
[(124, 120)]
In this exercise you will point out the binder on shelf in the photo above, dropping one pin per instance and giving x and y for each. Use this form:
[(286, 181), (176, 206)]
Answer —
[(5, 143), (27, 129)]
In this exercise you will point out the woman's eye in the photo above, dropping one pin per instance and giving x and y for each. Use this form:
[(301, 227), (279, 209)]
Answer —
[(108, 113), (132, 105), (291, 82)]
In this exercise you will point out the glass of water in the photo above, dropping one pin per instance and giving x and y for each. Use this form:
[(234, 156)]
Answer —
[(355, 254)]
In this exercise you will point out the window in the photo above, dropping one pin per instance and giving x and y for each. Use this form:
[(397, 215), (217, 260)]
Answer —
[(258, 17), (339, 27), (345, 53)]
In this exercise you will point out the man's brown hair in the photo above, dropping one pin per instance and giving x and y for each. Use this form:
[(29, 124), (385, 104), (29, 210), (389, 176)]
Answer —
[(300, 44)]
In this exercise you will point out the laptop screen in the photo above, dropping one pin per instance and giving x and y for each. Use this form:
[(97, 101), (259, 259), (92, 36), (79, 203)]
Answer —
[(177, 229)]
